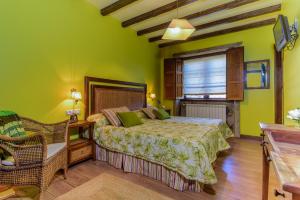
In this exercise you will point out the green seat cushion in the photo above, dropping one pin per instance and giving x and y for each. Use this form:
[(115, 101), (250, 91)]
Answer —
[(11, 124), (161, 114), (129, 119)]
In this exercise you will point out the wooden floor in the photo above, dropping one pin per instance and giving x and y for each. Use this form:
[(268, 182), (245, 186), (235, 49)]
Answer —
[(239, 175)]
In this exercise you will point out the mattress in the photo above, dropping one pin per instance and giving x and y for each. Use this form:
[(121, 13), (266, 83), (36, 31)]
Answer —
[(186, 147), (218, 123)]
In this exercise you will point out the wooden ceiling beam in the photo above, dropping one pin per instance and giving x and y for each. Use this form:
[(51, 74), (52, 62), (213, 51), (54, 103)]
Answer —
[(156, 12), (222, 7), (222, 32), (116, 6), (235, 18)]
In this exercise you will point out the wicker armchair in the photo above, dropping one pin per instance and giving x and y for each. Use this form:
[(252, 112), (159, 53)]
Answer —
[(36, 157)]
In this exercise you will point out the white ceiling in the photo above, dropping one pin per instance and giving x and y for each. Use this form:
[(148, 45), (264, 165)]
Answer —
[(142, 6)]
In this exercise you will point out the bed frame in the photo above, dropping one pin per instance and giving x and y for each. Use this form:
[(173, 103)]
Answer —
[(105, 93)]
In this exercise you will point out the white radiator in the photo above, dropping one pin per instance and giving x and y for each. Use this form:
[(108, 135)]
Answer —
[(206, 111)]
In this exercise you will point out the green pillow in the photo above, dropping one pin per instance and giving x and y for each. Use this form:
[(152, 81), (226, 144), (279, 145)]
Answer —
[(161, 114), (129, 119), (10, 124)]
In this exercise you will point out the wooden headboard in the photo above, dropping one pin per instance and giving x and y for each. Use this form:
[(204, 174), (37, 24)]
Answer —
[(105, 93)]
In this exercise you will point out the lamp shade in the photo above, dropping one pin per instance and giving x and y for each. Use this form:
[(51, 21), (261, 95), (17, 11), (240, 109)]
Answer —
[(76, 95), (179, 29)]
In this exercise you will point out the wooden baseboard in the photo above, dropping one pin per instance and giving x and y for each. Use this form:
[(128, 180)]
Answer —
[(251, 137)]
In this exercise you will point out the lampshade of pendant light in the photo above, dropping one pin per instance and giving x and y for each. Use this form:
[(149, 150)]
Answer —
[(179, 29)]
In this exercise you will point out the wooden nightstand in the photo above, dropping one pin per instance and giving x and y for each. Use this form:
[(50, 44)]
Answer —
[(83, 147)]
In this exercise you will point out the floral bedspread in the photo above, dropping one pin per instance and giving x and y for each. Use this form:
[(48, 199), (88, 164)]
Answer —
[(187, 148), (218, 123)]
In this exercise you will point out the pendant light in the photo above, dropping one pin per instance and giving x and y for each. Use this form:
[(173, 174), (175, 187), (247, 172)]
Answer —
[(179, 29)]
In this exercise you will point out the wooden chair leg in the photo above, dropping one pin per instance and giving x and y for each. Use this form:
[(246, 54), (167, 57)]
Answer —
[(65, 172), (43, 186)]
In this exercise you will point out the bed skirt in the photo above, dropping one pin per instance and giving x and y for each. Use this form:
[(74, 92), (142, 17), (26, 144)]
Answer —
[(158, 172)]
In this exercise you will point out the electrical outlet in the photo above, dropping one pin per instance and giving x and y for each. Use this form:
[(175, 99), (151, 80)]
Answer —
[(72, 112), (69, 112)]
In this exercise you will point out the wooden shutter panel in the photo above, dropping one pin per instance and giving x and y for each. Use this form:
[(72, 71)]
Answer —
[(173, 77), (235, 74), (179, 78), (169, 76)]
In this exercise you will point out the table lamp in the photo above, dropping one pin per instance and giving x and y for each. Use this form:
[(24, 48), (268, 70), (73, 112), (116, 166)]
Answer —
[(152, 96), (76, 96)]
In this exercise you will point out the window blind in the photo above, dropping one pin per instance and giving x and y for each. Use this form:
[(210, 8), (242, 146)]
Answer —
[(205, 76)]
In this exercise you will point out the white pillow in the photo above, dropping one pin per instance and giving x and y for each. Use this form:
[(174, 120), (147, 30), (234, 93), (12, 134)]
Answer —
[(149, 112), (111, 115)]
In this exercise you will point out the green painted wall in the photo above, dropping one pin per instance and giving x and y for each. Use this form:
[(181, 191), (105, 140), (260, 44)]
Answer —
[(258, 105), (48, 46), (291, 8)]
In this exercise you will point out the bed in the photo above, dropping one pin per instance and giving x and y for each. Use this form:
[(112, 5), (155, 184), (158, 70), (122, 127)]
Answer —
[(179, 151), (217, 123)]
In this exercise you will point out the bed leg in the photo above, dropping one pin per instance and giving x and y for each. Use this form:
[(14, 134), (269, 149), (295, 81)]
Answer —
[(209, 189)]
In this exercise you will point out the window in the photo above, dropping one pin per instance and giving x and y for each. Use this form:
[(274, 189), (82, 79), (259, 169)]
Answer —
[(205, 78)]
